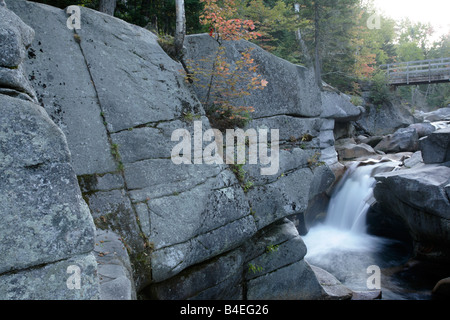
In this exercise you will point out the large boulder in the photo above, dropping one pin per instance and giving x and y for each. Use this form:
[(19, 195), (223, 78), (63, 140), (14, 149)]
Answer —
[(405, 139), (423, 128), (291, 89), (436, 146), (419, 196), (39, 189), (413, 160), (348, 149), (385, 119), (442, 289), (333, 287), (15, 37)]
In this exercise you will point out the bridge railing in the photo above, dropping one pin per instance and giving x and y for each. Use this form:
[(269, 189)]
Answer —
[(433, 70)]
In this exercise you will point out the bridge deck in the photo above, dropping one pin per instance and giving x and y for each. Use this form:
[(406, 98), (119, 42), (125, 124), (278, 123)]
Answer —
[(418, 72)]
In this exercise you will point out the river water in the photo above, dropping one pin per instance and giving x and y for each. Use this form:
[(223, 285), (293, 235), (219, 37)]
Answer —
[(342, 246)]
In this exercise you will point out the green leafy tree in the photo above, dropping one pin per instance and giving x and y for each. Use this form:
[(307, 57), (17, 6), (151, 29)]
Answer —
[(441, 48), (413, 41)]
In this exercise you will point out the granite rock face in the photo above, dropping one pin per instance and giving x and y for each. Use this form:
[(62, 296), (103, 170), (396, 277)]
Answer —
[(43, 195), (117, 98), (168, 216), (268, 266), (47, 231), (291, 89)]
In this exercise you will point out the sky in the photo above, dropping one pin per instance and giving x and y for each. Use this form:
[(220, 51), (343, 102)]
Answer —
[(437, 12)]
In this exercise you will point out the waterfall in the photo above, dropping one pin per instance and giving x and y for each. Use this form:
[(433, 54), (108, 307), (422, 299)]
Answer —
[(341, 244), (351, 199)]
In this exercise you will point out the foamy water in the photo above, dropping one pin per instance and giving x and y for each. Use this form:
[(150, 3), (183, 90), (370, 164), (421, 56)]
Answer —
[(341, 244)]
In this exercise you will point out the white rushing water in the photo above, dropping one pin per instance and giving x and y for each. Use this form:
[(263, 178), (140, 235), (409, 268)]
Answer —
[(341, 244), (345, 224), (351, 200)]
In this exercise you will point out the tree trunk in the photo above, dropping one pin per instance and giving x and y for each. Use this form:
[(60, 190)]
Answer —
[(304, 48), (180, 30), (107, 6), (317, 64)]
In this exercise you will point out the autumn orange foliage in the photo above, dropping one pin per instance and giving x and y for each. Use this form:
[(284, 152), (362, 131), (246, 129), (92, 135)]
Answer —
[(218, 15), (229, 82), (364, 66)]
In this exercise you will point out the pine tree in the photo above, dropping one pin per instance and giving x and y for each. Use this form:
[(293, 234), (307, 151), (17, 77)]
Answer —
[(328, 33)]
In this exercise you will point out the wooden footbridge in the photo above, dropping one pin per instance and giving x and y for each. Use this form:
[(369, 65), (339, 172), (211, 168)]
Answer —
[(418, 72)]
